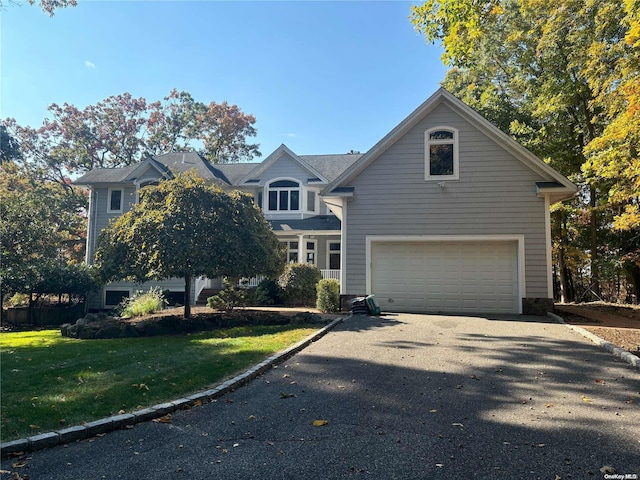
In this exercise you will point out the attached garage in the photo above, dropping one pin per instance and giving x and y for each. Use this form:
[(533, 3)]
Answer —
[(461, 275)]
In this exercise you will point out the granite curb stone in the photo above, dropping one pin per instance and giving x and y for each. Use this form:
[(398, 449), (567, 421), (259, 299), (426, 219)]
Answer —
[(628, 357), (105, 425)]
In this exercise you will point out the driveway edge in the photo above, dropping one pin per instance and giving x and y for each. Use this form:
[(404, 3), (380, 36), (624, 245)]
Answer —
[(127, 420), (628, 357)]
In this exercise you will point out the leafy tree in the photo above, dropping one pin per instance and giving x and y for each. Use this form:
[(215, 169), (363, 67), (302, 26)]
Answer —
[(41, 234), (9, 147), (121, 130), (183, 228), (561, 78), (47, 6)]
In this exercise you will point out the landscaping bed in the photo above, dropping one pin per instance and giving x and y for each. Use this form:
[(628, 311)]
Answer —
[(617, 324), (172, 322)]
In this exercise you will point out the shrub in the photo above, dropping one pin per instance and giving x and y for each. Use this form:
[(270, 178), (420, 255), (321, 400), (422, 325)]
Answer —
[(328, 294), (299, 282), (269, 293), (230, 297), (142, 303), (18, 299)]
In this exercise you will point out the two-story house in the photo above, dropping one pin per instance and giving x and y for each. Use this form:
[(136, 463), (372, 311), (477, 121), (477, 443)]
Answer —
[(445, 213), (285, 185)]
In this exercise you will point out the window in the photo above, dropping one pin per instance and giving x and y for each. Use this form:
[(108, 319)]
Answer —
[(311, 201), (114, 297), (115, 201), (441, 147), (292, 252), (311, 252), (284, 195), (334, 255)]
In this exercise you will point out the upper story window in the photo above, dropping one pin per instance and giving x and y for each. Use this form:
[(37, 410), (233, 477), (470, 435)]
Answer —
[(441, 148), (114, 200), (283, 196)]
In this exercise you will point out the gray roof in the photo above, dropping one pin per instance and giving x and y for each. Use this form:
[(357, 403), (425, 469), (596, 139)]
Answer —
[(329, 166), (321, 222), (105, 175)]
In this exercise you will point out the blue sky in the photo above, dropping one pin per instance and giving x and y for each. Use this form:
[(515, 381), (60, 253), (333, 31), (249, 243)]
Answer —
[(321, 77)]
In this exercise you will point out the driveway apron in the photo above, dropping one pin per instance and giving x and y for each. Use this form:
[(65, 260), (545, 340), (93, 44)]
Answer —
[(395, 397)]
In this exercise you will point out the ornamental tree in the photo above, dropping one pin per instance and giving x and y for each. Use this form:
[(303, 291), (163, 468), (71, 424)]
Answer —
[(184, 228)]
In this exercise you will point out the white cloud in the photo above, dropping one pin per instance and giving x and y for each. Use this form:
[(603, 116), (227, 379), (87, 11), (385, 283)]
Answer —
[(291, 135), (89, 64)]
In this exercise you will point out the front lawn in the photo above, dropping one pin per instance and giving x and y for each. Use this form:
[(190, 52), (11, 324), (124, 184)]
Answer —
[(49, 382)]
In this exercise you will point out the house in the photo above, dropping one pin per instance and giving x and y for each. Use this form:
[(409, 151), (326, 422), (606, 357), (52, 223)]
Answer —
[(446, 213), (285, 185)]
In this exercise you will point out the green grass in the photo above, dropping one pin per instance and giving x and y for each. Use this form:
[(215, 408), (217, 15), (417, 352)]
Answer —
[(49, 382)]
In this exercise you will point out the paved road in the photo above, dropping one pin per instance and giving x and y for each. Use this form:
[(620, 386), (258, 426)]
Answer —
[(405, 397)]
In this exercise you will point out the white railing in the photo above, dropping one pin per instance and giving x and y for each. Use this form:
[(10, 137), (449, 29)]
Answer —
[(251, 282), (335, 274), (255, 281), (201, 283)]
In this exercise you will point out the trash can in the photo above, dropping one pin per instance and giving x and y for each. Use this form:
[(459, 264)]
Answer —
[(365, 306)]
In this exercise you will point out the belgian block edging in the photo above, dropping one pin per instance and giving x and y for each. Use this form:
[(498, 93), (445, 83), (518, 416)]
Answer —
[(628, 357), (116, 422)]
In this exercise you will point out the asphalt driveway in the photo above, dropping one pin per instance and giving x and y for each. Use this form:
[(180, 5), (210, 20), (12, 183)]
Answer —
[(398, 397)]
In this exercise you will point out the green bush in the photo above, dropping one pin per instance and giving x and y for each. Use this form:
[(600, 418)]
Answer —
[(230, 297), (142, 303), (328, 294), (299, 282), (269, 293)]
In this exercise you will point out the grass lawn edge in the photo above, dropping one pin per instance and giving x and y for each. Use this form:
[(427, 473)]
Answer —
[(116, 422)]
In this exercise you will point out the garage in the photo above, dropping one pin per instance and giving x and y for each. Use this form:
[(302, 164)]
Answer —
[(445, 276)]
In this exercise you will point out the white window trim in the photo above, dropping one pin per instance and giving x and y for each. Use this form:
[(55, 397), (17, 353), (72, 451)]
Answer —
[(267, 189), (329, 251), (315, 251), (427, 151), (111, 190), (316, 206)]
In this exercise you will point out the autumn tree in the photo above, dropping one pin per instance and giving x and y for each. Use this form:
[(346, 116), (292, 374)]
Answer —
[(559, 76), (121, 130), (184, 229), (41, 232)]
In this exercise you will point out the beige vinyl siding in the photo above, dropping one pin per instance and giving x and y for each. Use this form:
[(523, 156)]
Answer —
[(495, 195)]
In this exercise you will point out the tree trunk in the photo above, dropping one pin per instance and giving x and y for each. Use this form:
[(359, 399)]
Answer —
[(595, 274), (187, 296)]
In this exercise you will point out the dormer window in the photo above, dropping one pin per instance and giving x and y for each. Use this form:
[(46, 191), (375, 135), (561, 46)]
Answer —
[(441, 148), (284, 196)]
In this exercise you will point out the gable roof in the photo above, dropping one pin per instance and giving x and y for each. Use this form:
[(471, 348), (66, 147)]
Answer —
[(275, 156), (564, 188)]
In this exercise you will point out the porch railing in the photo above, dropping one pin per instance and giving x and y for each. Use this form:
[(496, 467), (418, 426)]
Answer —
[(334, 274), (255, 281)]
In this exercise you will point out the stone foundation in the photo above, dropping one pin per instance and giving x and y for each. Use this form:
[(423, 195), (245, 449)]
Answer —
[(537, 306)]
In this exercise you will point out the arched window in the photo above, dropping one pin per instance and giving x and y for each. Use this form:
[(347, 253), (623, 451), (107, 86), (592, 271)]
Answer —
[(283, 196), (441, 148)]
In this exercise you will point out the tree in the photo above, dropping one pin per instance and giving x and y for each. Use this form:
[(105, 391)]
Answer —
[(9, 147), (47, 6), (40, 231), (121, 130), (183, 228), (555, 76)]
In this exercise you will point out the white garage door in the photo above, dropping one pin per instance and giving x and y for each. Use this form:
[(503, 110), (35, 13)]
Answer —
[(465, 277)]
